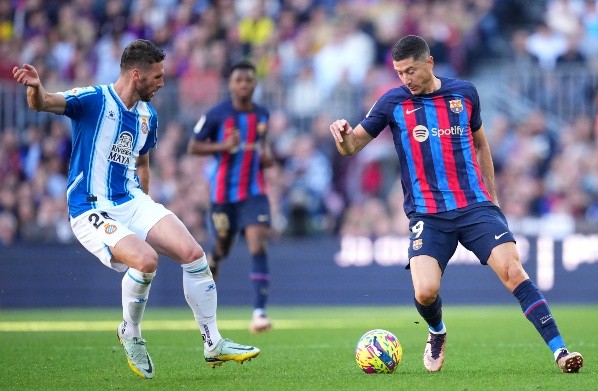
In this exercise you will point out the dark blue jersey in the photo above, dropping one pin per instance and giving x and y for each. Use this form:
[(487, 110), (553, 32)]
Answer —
[(433, 137), (238, 174)]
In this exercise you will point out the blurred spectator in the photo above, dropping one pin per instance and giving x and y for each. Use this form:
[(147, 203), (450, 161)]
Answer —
[(589, 27), (318, 23), (502, 139), (257, 27), (6, 20), (8, 228), (519, 56), (37, 22), (385, 16), (74, 23), (344, 97), (272, 89), (563, 16), (304, 99), (109, 48), (350, 52), (308, 176), (286, 26), (283, 134), (10, 157), (315, 58), (416, 12), (296, 54), (192, 98), (33, 150), (436, 31), (370, 218), (546, 45), (541, 144), (572, 56)]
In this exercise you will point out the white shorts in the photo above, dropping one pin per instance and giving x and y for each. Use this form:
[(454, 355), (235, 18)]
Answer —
[(99, 229)]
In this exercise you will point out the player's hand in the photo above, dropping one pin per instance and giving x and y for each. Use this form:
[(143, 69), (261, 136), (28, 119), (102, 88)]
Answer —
[(27, 75), (340, 129), (266, 157), (232, 141)]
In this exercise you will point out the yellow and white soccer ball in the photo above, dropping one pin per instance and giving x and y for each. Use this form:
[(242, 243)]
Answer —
[(378, 351)]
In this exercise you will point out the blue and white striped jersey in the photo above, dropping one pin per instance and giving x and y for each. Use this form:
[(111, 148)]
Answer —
[(107, 140)]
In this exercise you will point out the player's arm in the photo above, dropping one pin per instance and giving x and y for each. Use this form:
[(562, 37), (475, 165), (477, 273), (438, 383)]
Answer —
[(37, 97), (349, 141), (206, 147), (143, 172), (485, 161), (266, 153), (204, 131)]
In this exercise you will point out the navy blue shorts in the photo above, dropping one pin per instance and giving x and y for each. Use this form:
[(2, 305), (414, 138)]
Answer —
[(479, 229), (228, 219)]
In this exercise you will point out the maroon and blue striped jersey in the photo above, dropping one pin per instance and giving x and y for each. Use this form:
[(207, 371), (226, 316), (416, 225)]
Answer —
[(433, 136), (238, 174)]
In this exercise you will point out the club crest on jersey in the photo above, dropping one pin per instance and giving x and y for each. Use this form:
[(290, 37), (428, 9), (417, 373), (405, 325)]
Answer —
[(110, 228), (121, 152), (78, 90), (144, 126), (417, 244), (456, 106)]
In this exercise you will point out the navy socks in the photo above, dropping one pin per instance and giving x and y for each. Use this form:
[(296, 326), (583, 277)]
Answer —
[(432, 314), (536, 310)]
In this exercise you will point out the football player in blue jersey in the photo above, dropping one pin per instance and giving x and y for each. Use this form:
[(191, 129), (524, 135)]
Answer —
[(448, 181), (114, 127), (235, 133)]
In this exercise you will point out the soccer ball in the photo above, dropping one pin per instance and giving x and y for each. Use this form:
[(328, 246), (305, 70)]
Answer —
[(378, 351)]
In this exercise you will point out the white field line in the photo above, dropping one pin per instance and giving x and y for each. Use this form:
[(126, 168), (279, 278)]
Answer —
[(279, 324)]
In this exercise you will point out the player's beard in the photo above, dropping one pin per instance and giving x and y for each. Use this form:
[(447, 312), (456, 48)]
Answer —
[(144, 92), (145, 95)]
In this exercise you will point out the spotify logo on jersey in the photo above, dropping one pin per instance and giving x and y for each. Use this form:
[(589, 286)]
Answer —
[(421, 133)]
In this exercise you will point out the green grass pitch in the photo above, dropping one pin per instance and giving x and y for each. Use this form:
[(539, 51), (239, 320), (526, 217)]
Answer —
[(309, 348)]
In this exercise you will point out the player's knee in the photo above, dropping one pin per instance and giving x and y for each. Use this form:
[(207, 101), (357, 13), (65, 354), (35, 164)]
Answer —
[(425, 295), (146, 261), (515, 275), (512, 275), (191, 252)]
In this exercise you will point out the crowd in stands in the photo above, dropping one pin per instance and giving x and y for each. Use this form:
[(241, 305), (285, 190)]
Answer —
[(317, 60)]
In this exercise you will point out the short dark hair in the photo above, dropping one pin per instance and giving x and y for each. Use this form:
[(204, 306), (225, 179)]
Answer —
[(245, 65), (141, 53), (411, 46)]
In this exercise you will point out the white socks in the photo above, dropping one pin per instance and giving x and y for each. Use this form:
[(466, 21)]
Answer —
[(135, 291), (200, 293)]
